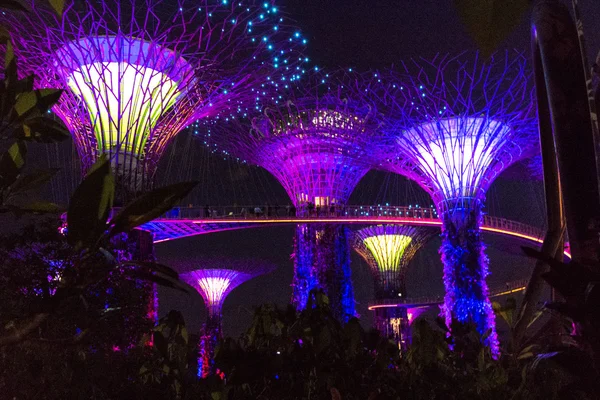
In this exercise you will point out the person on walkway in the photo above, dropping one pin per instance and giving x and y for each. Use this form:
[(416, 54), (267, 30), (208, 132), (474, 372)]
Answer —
[(311, 208), (288, 210), (206, 211), (318, 208), (257, 211)]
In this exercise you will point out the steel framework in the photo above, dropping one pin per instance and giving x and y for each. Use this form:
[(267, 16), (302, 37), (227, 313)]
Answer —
[(388, 249), (214, 279), (454, 126), (136, 72), (317, 141)]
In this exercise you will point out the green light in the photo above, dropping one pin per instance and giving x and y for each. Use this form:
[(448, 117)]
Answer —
[(124, 102), (387, 250)]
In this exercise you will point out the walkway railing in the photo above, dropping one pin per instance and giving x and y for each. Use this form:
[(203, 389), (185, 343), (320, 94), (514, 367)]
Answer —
[(509, 288), (284, 212), (234, 214)]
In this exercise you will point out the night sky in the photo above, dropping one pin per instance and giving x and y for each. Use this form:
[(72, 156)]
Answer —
[(364, 34)]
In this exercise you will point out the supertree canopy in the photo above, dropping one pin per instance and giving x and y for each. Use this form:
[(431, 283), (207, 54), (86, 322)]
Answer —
[(136, 72), (214, 279), (455, 125), (388, 249), (317, 142)]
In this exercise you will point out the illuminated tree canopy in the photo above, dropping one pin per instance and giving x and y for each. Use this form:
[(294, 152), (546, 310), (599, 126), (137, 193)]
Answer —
[(316, 139), (137, 72), (388, 249), (454, 124)]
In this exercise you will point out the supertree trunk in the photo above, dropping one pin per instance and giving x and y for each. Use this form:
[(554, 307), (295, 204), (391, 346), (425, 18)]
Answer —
[(333, 264), (465, 271), (393, 323), (305, 278), (322, 260), (211, 334)]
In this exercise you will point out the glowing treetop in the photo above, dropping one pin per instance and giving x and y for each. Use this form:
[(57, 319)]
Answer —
[(315, 139), (388, 249), (214, 279), (456, 125), (136, 72)]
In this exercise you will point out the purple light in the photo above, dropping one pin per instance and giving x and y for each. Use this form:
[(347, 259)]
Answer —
[(214, 279), (214, 285), (138, 72), (318, 143), (455, 125)]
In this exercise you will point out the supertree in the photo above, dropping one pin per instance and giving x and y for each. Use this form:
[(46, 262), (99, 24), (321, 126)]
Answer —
[(214, 279), (388, 249), (455, 126), (136, 72), (315, 141)]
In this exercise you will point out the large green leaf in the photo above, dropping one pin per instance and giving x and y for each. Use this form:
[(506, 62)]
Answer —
[(150, 206), (43, 130), (11, 163), (491, 21), (32, 180), (90, 205), (40, 101)]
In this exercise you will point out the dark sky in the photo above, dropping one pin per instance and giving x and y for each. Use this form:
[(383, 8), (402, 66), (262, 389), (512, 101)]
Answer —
[(362, 34), (366, 34)]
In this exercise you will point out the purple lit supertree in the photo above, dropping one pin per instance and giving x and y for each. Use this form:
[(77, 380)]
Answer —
[(455, 126), (388, 249), (214, 279), (316, 142), (136, 72)]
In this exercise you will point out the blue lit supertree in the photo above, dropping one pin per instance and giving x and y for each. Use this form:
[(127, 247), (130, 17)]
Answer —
[(387, 250), (316, 140), (454, 126)]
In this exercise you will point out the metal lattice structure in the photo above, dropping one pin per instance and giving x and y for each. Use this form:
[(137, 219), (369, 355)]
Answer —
[(214, 279), (317, 142), (136, 72), (455, 125), (388, 249)]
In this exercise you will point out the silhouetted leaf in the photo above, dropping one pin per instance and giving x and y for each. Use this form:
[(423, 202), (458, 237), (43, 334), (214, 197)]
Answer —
[(11, 163), (568, 310), (41, 207), (32, 180), (152, 266), (39, 101), (491, 21), (12, 5), (160, 279), (43, 130), (90, 204), (150, 206)]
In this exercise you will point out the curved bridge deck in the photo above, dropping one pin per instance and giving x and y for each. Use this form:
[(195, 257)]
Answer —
[(416, 302), (190, 221)]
